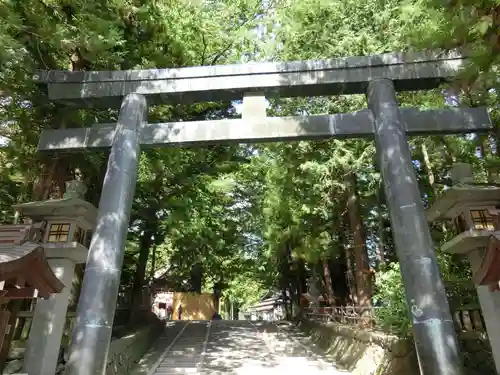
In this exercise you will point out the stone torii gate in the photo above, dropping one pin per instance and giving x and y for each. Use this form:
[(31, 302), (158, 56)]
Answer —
[(378, 77)]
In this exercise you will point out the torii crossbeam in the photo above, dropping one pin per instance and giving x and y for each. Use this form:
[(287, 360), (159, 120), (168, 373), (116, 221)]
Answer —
[(270, 129), (379, 77), (408, 71)]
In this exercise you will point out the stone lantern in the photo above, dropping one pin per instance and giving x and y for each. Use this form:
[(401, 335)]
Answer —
[(68, 224), (474, 210)]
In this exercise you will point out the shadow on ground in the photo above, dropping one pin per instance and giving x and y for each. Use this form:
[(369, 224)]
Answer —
[(232, 348), (240, 348)]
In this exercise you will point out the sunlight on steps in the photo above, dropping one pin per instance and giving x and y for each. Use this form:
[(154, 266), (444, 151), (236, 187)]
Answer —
[(233, 348)]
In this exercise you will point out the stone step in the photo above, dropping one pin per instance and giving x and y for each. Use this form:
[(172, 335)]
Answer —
[(185, 354)]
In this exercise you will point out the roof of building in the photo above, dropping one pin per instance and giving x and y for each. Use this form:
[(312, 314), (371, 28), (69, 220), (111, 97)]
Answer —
[(28, 266), (24, 269)]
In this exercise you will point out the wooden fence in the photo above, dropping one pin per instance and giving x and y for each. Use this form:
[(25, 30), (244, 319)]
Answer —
[(466, 319), (25, 318), (342, 314), (469, 319), (124, 300)]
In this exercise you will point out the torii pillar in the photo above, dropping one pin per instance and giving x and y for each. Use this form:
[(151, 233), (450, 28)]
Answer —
[(97, 303), (433, 329)]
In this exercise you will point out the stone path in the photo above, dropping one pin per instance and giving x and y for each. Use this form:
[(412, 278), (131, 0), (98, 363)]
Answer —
[(233, 348)]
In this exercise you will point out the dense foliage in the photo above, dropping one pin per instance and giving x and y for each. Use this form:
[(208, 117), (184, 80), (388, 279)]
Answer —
[(252, 218)]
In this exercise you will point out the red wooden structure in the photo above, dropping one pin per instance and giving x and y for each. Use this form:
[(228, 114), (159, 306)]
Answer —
[(489, 271), (24, 271)]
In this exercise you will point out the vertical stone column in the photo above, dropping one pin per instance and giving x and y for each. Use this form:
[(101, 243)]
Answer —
[(490, 307), (433, 330), (97, 303), (48, 324)]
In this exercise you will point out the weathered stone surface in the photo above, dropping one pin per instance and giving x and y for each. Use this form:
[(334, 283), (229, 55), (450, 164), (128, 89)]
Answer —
[(17, 349), (409, 71), (476, 350), (125, 352), (364, 352), (357, 124), (13, 366)]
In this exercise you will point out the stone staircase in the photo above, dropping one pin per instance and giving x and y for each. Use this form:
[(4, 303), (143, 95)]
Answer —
[(184, 355), (222, 347)]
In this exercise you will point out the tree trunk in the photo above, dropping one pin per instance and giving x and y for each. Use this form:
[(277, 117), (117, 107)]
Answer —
[(349, 275), (363, 272), (486, 153), (292, 300), (381, 229), (301, 282), (430, 173), (338, 270), (196, 277), (95, 181), (447, 153), (42, 187), (140, 274), (76, 286), (55, 169), (351, 280), (285, 304), (153, 264), (328, 282)]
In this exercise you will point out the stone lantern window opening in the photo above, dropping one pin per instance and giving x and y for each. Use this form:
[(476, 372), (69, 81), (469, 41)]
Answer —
[(67, 230), (460, 223), (79, 235), (482, 219), (478, 218), (58, 232), (87, 238)]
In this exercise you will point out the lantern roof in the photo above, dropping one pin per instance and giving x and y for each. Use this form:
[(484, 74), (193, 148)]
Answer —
[(464, 195), (54, 208)]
